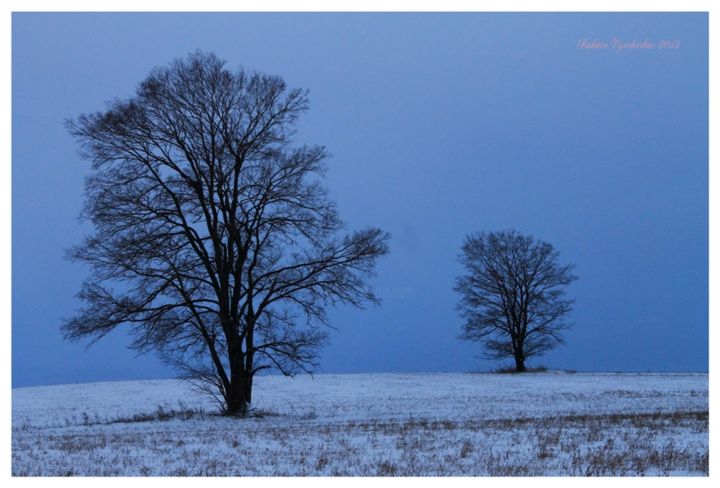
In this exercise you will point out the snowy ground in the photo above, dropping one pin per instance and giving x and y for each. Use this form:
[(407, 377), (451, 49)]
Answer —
[(372, 424)]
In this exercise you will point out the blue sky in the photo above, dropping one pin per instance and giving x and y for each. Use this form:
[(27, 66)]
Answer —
[(439, 125)]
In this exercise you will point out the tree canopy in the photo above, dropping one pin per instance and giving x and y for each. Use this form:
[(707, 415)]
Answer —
[(214, 240), (513, 295)]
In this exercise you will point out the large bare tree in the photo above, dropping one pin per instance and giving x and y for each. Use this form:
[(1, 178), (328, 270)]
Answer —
[(214, 240), (513, 295)]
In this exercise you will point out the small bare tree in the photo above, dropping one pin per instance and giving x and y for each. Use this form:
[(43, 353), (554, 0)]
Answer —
[(512, 297), (214, 239)]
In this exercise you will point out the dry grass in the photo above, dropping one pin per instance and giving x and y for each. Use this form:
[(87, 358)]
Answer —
[(582, 445), (372, 425)]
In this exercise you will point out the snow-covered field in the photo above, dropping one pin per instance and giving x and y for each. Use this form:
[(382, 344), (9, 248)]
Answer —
[(371, 424)]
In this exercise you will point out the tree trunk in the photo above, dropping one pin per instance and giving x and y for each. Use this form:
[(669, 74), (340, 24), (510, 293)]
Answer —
[(519, 363), (248, 389), (236, 403), (236, 398)]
